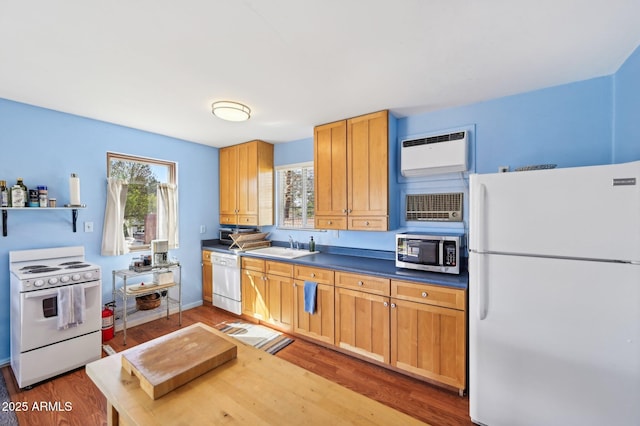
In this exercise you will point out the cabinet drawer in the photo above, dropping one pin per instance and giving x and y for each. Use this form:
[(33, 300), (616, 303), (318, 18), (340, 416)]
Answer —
[(244, 219), (368, 223), (279, 268), (310, 273), (369, 284), (253, 264), (229, 219), (430, 294), (331, 222), (206, 256)]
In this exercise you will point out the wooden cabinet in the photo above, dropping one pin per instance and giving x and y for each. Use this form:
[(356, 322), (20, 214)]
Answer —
[(267, 292), (207, 277), (351, 173), (362, 315), (246, 184), (428, 332), (319, 325)]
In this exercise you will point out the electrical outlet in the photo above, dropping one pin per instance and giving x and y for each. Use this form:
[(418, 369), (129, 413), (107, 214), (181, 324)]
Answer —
[(203, 229), (88, 227)]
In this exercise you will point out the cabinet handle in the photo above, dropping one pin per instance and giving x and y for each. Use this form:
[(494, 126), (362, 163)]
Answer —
[(329, 222), (349, 211), (247, 219), (344, 210), (386, 304), (424, 294), (366, 223), (313, 275), (393, 305), (360, 283)]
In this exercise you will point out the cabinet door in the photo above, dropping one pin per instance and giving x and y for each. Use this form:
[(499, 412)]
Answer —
[(362, 324), (330, 173), (254, 289), (228, 181), (207, 278), (319, 325), (248, 182), (368, 165), (429, 341), (279, 301)]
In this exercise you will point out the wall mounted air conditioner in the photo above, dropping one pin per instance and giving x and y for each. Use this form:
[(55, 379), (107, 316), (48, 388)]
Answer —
[(444, 153)]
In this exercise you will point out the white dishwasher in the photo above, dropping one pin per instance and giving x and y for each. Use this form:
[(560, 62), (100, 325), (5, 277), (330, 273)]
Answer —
[(226, 282)]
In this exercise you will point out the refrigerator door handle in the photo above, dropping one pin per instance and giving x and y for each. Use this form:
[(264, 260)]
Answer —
[(478, 214), (482, 283)]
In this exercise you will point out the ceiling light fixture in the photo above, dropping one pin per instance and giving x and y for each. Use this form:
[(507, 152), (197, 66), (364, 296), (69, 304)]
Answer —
[(230, 111)]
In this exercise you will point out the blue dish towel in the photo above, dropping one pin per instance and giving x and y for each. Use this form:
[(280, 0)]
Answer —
[(310, 289)]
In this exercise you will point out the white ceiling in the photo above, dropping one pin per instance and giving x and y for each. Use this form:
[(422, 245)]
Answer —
[(157, 65)]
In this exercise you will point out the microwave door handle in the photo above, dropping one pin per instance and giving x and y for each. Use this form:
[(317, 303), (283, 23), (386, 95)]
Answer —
[(441, 253)]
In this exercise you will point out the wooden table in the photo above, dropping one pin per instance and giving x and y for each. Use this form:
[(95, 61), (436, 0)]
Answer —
[(256, 388)]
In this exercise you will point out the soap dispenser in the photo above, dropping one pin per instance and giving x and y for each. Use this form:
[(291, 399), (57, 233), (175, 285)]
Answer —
[(312, 245)]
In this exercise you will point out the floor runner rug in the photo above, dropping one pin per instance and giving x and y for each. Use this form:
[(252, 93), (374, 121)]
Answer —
[(7, 415), (258, 336)]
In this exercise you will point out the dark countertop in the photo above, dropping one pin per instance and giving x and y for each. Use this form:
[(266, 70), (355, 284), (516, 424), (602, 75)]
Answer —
[(360, 264)]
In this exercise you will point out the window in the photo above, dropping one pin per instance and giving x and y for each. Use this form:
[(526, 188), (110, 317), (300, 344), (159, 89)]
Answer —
[(295, 196), (146, 182)]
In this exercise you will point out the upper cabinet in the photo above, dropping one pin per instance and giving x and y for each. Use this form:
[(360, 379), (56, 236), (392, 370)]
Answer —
[(246, 184), (351, 171)]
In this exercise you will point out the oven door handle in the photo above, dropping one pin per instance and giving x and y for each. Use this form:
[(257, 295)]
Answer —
[(54, 292)]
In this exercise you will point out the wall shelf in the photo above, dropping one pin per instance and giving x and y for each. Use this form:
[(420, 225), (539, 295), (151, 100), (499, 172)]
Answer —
[(5, 214)]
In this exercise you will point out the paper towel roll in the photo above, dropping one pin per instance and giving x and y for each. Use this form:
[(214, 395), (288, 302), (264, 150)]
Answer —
[(74, 190)]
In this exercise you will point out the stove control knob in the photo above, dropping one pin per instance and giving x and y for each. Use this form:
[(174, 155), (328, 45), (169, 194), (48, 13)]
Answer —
[(75, 277), (38, 283), (88, 275), (65, 278), (53, 280)]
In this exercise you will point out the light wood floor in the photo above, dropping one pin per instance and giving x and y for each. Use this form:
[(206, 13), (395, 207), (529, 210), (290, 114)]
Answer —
[(423, 401)]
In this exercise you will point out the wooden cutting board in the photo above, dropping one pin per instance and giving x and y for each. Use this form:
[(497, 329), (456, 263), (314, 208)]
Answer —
[(170, 361)]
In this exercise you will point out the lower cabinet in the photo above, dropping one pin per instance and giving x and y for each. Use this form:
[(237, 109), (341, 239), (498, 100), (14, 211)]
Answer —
[(319, 325), (362, 324), (207, 277), (413, 327), (427, 339), (267, 292)]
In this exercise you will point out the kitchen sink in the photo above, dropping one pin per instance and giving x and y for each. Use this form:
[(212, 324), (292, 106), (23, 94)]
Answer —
[(282, 252)]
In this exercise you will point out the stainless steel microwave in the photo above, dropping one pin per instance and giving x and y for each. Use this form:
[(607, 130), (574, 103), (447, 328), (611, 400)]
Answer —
[(429, 252)]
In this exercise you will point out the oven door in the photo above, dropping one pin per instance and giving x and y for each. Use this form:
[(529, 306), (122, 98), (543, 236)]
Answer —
[(39, 316), (421, 252)]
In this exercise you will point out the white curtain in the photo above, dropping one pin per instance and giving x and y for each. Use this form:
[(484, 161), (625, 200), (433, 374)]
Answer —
[(113, 242), (168, 213)]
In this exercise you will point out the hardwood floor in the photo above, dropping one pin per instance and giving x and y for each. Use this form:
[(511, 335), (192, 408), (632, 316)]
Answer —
[(72, 399)]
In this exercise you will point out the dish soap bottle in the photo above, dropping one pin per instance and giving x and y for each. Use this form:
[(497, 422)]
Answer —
[(312, 245)]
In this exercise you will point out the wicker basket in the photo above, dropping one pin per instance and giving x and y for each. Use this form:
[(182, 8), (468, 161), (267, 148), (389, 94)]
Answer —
[(148, 301)]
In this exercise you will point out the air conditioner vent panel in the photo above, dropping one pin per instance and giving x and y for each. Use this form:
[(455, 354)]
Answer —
[(434, 207)]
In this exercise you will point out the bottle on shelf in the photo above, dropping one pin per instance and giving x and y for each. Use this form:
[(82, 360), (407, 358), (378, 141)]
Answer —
[(18, 196), (4, 194), (312, 245), (20, 183)]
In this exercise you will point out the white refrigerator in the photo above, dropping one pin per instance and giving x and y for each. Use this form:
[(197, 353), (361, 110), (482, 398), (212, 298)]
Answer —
[(554, 297)]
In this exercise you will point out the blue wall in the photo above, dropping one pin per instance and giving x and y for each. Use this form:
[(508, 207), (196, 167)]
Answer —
[(627, 110), (583, 123), (45, 147)]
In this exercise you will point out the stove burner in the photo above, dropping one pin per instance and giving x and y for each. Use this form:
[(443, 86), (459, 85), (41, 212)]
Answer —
[(30, 267), (42, 269), (75, 262), (78, 266)]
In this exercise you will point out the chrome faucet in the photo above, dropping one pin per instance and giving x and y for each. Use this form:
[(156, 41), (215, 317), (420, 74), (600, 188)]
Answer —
[(290, 242)]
